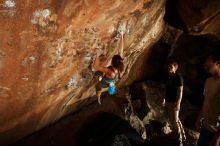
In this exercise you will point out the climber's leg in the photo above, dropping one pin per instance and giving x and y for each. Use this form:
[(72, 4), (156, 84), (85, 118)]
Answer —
[(99, 90)]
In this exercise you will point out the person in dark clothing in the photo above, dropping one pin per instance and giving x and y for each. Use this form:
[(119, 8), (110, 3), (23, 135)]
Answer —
[(172, 100), (173, 82)]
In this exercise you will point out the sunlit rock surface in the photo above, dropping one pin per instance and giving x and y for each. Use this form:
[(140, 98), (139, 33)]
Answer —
[(46, 49)]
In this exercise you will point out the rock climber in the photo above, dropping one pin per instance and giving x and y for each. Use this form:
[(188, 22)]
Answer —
[(110, 73)]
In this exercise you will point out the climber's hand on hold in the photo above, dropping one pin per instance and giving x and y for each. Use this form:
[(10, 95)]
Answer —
[(123, 28), (97, 52), (96, 55), (121, 32), (97, 64), (95, 60)]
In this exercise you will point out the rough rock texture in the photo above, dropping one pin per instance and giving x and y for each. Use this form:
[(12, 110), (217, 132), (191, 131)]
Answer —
[(190, 51), (150, 64), (47, 46), (195, 17), (68, 129), (157, 127), (133, 119)]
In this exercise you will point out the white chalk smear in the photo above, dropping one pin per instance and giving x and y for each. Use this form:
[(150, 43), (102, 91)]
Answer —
[(37, 13), (32, 59), (25, 78), (72, 82), (45, 13), (9, 4)]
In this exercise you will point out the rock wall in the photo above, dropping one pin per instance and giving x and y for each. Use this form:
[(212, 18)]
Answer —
[(46, 49), (195, 17), (189, 50)]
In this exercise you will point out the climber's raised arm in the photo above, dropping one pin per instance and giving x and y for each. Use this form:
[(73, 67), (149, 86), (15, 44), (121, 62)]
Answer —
[(98, 67), (121, 47)]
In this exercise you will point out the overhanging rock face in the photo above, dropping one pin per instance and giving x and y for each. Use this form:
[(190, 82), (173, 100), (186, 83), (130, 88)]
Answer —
[(47, 46), (195, 17)]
